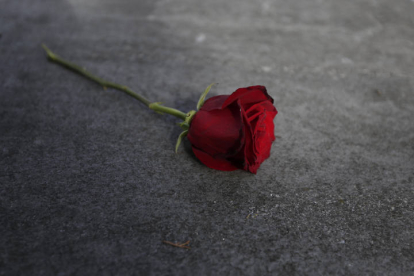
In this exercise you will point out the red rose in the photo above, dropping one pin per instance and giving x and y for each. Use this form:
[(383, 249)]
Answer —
[(234, 131), (228, 132)]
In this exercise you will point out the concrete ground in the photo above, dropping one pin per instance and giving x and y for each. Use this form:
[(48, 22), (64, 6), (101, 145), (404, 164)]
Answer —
[(90, 183)]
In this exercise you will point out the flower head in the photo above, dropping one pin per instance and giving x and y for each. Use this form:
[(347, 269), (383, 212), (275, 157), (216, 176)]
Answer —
[(234, 131)]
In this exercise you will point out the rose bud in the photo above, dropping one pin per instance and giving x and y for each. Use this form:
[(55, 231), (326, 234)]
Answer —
[(234, 131)]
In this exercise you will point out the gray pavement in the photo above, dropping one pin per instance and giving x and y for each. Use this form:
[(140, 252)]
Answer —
[(90, 183)]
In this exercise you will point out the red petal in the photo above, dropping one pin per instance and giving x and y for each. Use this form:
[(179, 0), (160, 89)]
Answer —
[(248, 95), (214, 102), (218, 132), (214, 163), (259, 132), (249, 156), (264, 136)]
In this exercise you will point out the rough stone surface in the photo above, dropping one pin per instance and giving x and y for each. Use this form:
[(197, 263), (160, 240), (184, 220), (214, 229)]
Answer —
[(90, 183)]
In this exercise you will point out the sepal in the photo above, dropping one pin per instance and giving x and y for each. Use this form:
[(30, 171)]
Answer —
[(180, 138), (184, 125), (203, 96)]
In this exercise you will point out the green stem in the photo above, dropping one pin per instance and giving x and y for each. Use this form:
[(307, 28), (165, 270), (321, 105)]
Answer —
[(106, 84)]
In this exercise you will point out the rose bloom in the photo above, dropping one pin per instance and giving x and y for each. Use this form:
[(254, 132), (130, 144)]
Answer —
[(234, 131)]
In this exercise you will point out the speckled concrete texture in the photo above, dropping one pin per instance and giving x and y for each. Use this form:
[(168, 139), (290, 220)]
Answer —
[(90, 183)]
